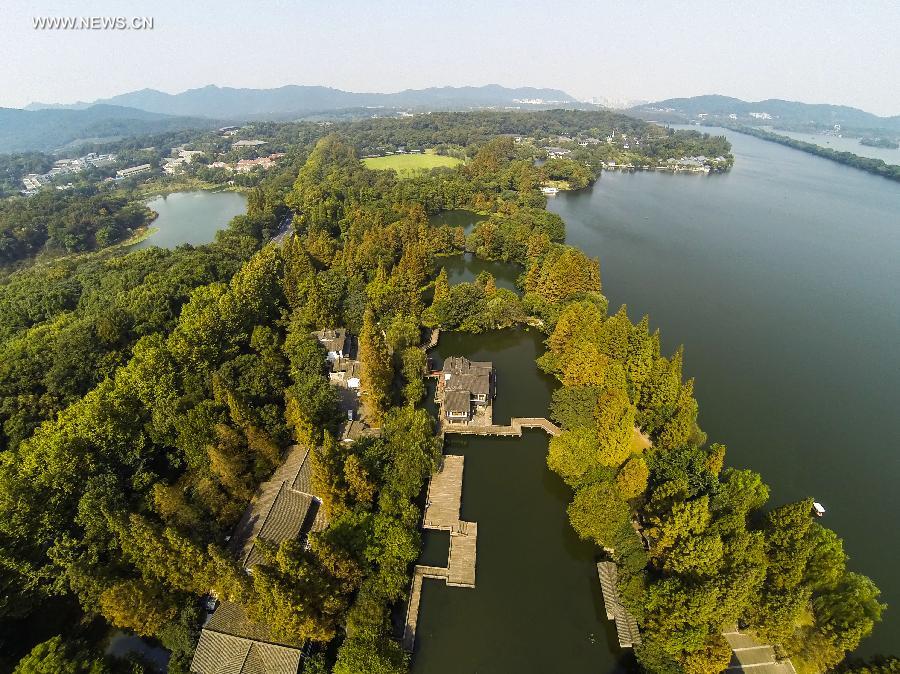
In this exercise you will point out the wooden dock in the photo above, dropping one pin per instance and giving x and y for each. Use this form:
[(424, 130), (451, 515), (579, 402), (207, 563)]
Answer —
[(463, 548), (442, 511), (445, 495), (516, 424)]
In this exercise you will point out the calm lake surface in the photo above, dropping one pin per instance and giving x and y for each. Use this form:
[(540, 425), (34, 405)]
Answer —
[(192, 217), (782, 280), (457, 218), (536, 606), (889, 155)]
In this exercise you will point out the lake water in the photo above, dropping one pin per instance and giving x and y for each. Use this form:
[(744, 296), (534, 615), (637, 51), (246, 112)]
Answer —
[(466, 268), (192, 217), (842, 144), (781, 279), (537, 605), (457, 218), (123, 644)]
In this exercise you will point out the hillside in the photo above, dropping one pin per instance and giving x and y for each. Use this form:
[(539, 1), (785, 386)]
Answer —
[(780, 113), (46, 130), (295, 100)]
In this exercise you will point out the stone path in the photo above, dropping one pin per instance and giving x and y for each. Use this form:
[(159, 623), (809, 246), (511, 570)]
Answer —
[(516, 424)]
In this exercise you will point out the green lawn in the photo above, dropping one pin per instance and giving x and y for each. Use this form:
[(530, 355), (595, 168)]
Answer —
[(408, 164)]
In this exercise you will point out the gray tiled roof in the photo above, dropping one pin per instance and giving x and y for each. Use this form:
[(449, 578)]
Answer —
[(303, 479), (462, 374), (219, 653), (457, 401), (332, 340), (284, 521), (230, 618)]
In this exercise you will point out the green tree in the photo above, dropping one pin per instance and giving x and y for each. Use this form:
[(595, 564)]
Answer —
[(377, 370), (55, 657), (598, 513), (632, 477)]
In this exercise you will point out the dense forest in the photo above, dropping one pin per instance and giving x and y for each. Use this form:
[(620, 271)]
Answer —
[(147, 395), (55, 221), (876, 166)]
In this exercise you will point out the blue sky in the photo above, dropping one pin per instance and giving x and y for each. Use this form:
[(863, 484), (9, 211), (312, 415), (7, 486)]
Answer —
[(837, 52)]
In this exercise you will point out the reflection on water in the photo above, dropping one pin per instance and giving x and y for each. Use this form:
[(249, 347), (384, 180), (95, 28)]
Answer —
[(536, 606), (458, 218), (780, 278), (466, 268), (192, 217), (122, 644)]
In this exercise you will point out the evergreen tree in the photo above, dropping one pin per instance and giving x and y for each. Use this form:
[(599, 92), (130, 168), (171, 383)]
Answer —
[(377, 370)]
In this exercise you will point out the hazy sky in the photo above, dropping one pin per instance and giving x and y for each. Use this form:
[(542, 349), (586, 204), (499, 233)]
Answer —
[(814, 51)]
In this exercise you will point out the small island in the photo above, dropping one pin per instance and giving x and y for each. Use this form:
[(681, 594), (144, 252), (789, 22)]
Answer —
[(885, 143)]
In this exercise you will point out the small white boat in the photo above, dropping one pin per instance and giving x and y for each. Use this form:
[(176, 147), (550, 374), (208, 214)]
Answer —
[(818, 509), (550, 190)]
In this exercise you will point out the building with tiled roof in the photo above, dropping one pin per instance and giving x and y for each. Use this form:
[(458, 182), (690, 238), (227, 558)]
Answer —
[(283, 509), (232, 643), (334, 341), (465, 383)]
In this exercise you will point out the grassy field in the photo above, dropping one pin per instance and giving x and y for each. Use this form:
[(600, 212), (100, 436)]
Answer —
[(409, 164)]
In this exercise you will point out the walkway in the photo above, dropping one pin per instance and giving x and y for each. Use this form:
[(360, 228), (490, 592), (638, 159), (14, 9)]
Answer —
[(432, 339), (445, 495), (442, 512), (516, 424)]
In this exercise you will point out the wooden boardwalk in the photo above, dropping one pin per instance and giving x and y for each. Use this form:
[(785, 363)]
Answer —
[(442, 511), (463, 548), (516, 424), (445, 495)]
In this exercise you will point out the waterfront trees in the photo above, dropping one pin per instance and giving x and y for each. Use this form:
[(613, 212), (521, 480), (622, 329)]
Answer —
[(146, 396)]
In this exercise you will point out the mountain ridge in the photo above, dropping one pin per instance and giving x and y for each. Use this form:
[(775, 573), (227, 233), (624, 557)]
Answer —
[(294, 99), (780, 111), (48, 129)]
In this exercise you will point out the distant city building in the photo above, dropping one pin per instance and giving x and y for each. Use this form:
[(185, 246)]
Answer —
[(133, 171), (265, 163), (557, 151), (248, 143), (34, 181)]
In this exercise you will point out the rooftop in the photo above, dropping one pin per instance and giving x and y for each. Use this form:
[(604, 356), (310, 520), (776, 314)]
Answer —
[(457, 401), (333, 340), (462, 374), (232, 642), (285, 521)]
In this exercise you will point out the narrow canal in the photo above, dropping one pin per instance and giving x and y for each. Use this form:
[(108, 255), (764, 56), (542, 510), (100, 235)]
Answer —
[(536, 603)]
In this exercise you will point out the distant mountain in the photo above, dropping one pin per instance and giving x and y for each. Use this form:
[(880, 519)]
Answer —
[(294, 100), (45, 130), (772, 111)]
